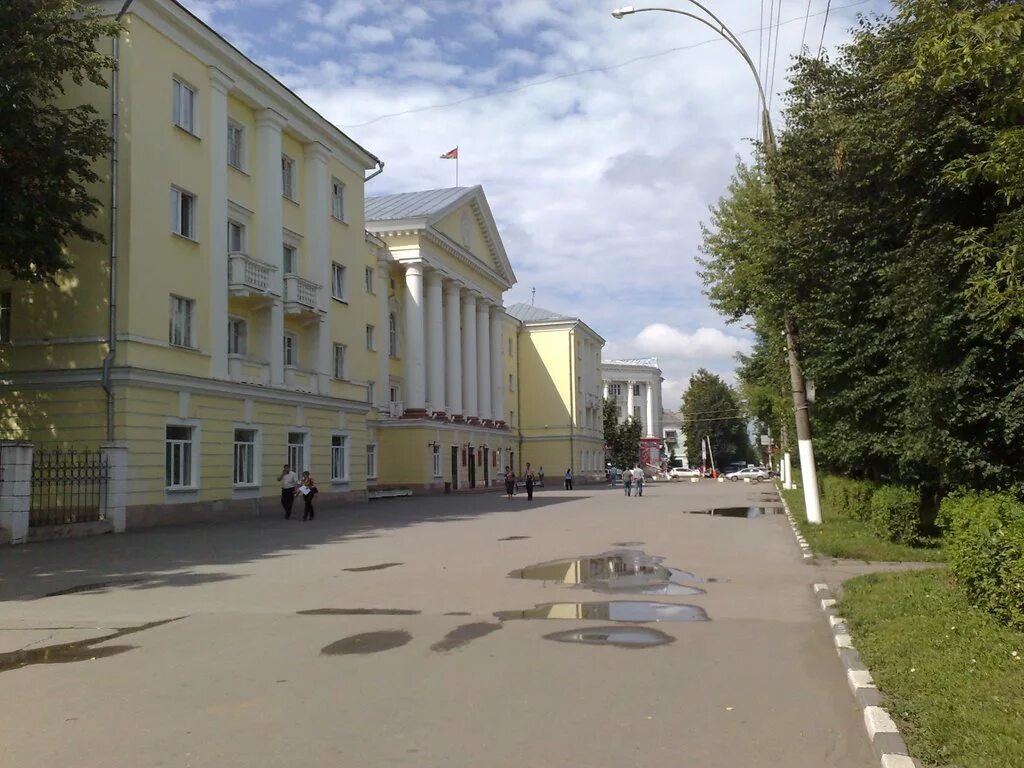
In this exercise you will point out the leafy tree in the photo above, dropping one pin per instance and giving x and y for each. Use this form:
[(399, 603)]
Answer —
[(711, 408), (47, 147), (622, 441)]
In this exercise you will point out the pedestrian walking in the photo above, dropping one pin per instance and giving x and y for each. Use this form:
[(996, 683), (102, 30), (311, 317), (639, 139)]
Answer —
[(528, 479), (627, 481), (638, 480), (307, 489), (540, 476), (288, 481), (510, 482), (568, 479)]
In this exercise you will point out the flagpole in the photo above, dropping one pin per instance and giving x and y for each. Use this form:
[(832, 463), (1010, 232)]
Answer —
[(456, 170)]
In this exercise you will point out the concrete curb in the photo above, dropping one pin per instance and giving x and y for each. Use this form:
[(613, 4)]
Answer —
[(885, 737), (805, 548)]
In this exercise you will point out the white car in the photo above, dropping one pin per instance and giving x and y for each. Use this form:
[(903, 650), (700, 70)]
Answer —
[(752, 473), (683, 472)]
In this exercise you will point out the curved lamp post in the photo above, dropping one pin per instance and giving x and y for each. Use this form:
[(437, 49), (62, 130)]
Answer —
[(796, 376)]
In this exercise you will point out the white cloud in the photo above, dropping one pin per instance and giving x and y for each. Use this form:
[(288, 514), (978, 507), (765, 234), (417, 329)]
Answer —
[(369, 35), (661, 340)]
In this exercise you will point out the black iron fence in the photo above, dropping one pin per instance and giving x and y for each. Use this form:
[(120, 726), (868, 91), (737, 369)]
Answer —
[(68, 486)]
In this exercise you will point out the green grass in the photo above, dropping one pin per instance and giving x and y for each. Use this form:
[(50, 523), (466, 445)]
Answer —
[(845, 537), (948, 670)]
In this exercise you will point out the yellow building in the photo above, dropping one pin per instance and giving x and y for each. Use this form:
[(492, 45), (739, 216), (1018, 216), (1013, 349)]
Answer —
[(559, 394)]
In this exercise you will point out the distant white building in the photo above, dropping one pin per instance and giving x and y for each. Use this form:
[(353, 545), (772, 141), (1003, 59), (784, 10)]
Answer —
[(635, 385), (673, 434)]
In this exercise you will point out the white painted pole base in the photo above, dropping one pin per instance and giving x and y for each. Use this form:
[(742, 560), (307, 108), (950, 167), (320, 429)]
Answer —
[(787, 471), (810, 481)]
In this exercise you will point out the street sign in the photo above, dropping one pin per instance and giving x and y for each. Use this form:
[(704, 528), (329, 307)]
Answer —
[(766, 440)]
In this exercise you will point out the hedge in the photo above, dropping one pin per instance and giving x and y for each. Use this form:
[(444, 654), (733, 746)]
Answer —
[(896, 513), (847, 498), (985, 545)]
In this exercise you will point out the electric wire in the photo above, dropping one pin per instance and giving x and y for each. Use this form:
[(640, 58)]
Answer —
[(824, 24), (775, 57), (577, 73), (807, 18)]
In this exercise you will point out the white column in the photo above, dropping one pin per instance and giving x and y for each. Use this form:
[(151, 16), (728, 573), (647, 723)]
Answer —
[(382, 390), (650, 412), (497, 366), (469, 401), (483, 358), (217, 211), (606, 390), (453, 348), (629, 399), (317, 209), (269, 227), (435, 342), (414, 353)]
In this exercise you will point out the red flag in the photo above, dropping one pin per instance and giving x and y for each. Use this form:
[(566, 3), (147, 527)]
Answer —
[(452, 154)]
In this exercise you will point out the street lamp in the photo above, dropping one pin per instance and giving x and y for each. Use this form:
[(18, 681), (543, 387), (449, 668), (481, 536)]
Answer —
[(796, 376)]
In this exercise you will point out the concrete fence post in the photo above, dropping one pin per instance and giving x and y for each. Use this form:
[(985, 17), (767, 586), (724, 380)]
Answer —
[(15, 489), (116, 457)]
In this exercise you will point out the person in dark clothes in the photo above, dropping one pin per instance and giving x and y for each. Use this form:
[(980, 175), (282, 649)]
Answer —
[(568, 479), (288, 481), (529, 482), (307, 488), (510, 482)]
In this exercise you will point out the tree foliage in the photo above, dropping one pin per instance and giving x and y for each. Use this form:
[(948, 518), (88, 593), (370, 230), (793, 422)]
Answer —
[(889, 225), (48, 148), (711, 408), (622, 441)]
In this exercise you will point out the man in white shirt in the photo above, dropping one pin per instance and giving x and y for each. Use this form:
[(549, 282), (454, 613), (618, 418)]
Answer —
[(288, 480), (638, 480)]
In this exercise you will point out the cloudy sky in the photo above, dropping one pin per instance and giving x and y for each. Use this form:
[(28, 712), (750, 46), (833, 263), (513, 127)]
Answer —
[(600, 144)]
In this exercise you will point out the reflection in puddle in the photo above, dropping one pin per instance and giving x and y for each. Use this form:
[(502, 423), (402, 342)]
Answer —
[(379, 567), (744, 512), (459, 636), (368, 642), (358, 612), (81, 650), (623, 570), (622, 637), (637, 611)]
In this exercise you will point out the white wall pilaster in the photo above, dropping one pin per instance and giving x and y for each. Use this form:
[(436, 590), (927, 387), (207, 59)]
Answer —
[(469, 378), (267, 245), (435, 342), (453, 348), (217, 211), (414, 354), (650, 411), (497, 366), (483, 358), (316, 207), (382, 388), (629, 399)]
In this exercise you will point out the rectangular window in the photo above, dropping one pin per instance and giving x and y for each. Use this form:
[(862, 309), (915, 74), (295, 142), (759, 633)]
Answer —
[(615, 390), (245, 457), (511, 418), (339, 361), (510, 353), (337, 282), (371, 338), (291, 349), (636, 390), (238, 333), (182, 313), (371, 461), (369, 280), (636, 412), (236, 237), (396, 393), (370, 390), (579, 383), (297, 451), (511, 383), (287, 177), (339, 457), (437, 460), (183, 111), (183, 213), (178, 457), (5, 317), (236, 146), (338, 200), (288, 259), (392, 335)]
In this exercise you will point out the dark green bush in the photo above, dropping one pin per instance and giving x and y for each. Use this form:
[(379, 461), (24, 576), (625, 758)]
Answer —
[(896, 513), (847, 498), (985, 544)]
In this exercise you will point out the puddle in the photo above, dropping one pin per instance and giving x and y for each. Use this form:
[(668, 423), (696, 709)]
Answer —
[(624, 570), (627, 543), (458, 613), (635, 611), (358, 612), (620, 637), (81, 650), (368, 642), (460, 636), (96, 587), (743, 512), (514, 538), (379, 567)]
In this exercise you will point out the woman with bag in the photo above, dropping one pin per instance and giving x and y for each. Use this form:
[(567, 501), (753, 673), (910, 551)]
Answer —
[(307, 488)]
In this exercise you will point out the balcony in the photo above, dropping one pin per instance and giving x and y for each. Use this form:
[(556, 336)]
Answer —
[(301, 380), (248, 276), (300, 296), (248, 370)]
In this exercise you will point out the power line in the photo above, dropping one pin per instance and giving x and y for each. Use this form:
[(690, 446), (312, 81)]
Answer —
[(578, 73), (824, 24), (775, 57), (803, 37)]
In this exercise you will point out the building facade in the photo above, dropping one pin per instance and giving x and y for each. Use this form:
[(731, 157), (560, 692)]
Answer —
[(559, 397), (635, 385), (673, 435)]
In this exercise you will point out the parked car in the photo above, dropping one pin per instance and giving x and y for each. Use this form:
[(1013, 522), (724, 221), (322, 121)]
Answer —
[(683, 472), (754, 474)]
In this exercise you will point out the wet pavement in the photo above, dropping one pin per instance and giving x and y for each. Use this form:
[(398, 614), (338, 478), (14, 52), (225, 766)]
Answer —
[(415, 632)]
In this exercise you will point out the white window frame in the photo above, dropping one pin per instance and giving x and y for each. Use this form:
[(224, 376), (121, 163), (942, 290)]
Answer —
[(236, 159), (5, 317), (187, 459), (369, 281), (238, 331), (395, 392), (183, 105), (436, 458), (250, 452), (511, 383), (340, 355), (338, 281), (392, 335), (242, 230), (371, 387), (189, 223), (300, 449), (288, 178), (185, 336), (371, 461), (636, 412), (341, 456), (337, 200), (290, 351), (285, 247), (371, 338), (636, 390)]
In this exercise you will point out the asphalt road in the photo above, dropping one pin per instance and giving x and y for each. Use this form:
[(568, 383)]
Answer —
[(240, 677)]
